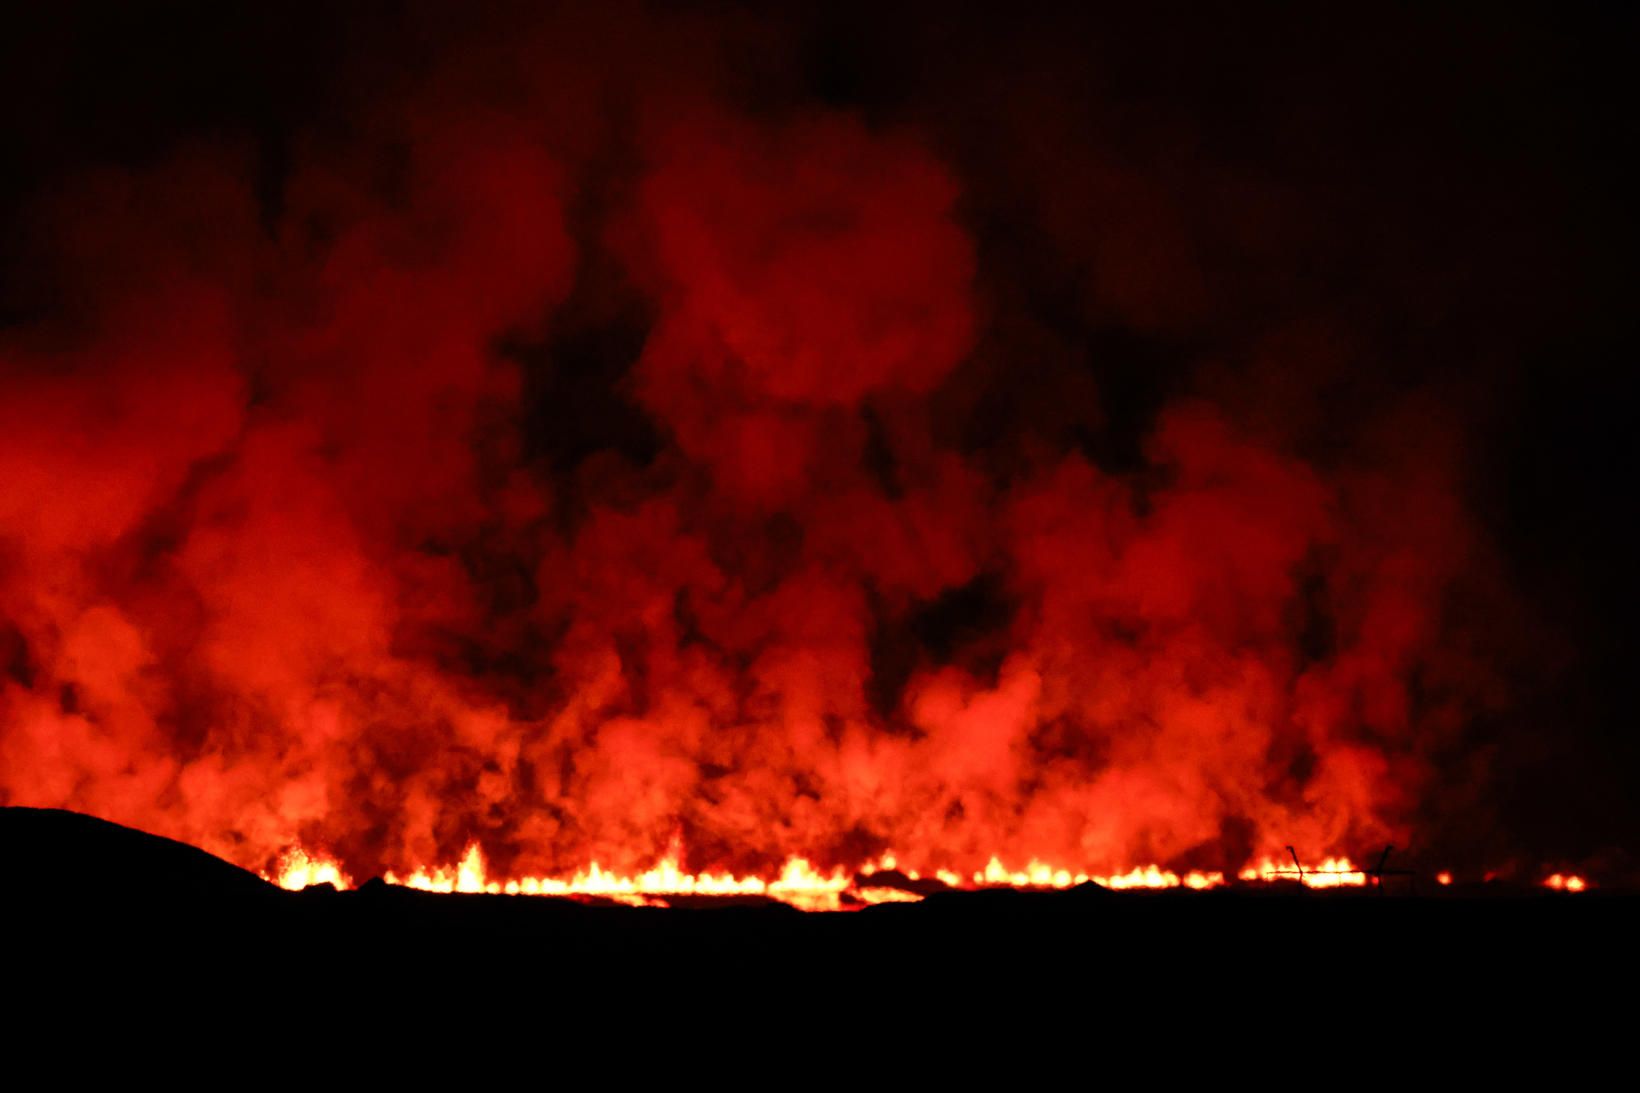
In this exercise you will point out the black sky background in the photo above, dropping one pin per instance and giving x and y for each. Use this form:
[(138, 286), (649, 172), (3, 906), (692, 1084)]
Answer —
[(1469, 228)]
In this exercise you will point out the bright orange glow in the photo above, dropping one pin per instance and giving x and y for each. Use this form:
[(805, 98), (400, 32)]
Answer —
[(869, 894), (1331, 873), (800, 884), (803, 886), (1039, 875), (298, 869)]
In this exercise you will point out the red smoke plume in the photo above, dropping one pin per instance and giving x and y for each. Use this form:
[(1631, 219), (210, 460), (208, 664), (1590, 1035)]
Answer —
[(282, 561)]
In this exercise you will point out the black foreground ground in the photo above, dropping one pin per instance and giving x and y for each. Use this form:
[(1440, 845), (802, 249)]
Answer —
[(95, 910)]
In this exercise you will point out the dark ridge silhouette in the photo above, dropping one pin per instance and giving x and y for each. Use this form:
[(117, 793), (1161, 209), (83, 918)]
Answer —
[(53, 855), (91, 907)]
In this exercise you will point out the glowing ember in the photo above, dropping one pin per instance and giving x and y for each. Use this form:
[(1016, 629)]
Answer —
[(1562, 882), (1443, 878)]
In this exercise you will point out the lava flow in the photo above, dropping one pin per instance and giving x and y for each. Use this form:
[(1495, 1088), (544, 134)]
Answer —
[(802, 886), (798, 883)]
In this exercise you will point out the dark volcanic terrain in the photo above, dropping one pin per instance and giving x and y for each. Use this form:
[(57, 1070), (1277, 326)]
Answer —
[(111, 902)]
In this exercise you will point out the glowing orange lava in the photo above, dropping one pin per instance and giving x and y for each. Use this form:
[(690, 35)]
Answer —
[(298, 869), (800, 884), (1331, 873)]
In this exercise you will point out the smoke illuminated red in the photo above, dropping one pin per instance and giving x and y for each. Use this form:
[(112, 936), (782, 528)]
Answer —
[(319, 531)]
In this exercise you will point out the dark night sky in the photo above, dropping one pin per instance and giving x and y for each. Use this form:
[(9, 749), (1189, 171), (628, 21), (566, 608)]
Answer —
[(1302, 213)]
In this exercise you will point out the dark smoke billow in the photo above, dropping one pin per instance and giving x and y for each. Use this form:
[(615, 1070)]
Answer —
[(636, 431)]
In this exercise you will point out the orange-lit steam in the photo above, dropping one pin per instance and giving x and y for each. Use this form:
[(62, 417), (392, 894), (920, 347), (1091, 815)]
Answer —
[(303, 543)]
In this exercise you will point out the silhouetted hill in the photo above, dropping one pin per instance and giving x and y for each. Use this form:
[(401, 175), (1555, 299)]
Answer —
[(55, 856), (91, 907)]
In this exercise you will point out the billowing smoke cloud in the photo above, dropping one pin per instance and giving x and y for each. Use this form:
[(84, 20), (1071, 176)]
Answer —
[(317, 526)]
